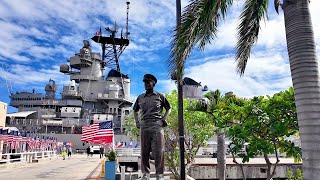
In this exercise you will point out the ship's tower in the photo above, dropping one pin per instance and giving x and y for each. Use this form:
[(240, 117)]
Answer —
[(51, 89), (103, 97)]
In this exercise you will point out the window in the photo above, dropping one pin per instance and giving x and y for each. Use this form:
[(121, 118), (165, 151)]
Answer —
[(126, 112)]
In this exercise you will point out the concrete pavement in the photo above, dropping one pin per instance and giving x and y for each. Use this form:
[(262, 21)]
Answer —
[(76, 168)]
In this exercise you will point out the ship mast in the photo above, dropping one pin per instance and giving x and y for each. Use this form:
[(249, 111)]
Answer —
[(112, 46)]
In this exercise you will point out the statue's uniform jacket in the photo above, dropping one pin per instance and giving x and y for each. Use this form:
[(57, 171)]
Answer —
[(151, 132)]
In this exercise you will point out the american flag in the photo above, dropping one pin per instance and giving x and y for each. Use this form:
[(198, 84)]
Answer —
[(3, 134), (99, 33), (98, 133)]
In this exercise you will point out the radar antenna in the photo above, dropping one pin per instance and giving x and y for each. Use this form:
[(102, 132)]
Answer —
[(127, 25), (112, 47)]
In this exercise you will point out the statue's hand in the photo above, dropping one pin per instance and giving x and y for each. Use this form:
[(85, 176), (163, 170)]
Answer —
[(138, 124), (164, 122)]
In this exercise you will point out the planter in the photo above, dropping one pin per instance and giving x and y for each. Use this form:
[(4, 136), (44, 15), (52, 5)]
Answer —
[(110, 170)]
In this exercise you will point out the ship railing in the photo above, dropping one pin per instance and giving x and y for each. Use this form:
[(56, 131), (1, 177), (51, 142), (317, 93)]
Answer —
[(128, 151), (26, 157)]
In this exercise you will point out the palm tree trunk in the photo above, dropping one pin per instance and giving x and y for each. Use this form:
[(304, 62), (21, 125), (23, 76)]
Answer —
[(221, 156), (305, 79)]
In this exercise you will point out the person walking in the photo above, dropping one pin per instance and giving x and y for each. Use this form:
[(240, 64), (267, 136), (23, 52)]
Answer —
[(88, 151), (101, 152), (64, 152), (69, 152), (91, 151), (151, 104)]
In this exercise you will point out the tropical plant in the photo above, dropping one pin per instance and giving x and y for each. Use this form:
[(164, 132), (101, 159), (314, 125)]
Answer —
[(263, 126), (199, 24), (216, 100), (111, 155), (298, 175), (130, 128), (290, 175)]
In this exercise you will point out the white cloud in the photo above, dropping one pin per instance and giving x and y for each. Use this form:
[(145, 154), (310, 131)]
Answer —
[(272, 32), (21, 75), (264, 75), (166, 86)]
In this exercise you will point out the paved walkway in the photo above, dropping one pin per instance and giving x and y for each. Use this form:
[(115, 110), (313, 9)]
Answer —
[(78, 167)]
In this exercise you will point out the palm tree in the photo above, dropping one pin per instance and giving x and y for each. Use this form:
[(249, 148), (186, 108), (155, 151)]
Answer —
[(221, 152), (215, 98), (199, 23)]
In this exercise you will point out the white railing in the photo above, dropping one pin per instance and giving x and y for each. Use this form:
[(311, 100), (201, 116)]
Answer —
[(26, 157), (136, 151), (206, 150)]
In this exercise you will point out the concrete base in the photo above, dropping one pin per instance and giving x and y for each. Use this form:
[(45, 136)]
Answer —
[(252, 171)]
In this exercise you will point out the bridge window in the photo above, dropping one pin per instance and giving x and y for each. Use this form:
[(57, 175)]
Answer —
[(126, 112)]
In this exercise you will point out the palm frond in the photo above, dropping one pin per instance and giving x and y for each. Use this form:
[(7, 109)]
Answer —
[(248, 30), (276, 5), (199, 23)]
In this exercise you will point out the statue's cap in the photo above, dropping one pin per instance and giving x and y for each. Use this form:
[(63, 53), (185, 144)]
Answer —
[(149, 77)]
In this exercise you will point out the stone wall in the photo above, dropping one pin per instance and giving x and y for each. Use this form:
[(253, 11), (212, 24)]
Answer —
[(252, 171)]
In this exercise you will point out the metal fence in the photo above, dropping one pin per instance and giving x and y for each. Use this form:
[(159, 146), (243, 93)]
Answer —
[(26, 157)]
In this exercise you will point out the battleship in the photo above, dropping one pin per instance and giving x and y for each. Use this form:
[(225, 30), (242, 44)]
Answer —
[(91, 95)]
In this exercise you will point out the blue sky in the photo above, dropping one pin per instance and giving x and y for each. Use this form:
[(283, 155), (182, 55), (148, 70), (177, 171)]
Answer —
[(37, 36)]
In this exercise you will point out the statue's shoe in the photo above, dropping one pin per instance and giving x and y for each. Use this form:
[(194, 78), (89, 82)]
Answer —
[(160, 177), (144, 178)]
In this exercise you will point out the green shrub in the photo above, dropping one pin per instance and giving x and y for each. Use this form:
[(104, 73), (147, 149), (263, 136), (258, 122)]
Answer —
[(299, 175), (290, 175), (111, 155)]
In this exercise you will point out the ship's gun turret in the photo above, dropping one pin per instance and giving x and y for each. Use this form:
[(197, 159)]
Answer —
[(51, 89)]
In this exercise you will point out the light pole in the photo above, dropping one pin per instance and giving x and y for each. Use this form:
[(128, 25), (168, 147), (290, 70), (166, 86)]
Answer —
[(180, 101)]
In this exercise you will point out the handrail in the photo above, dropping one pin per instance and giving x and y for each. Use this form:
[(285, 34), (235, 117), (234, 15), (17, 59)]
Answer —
[(26, 157)]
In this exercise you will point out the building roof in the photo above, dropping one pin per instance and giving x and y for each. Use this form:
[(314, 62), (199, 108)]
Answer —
[(3, 103), (21, 114), (189, 81)]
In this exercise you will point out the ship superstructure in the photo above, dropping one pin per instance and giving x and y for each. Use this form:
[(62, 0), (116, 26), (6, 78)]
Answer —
[(90, 96)]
